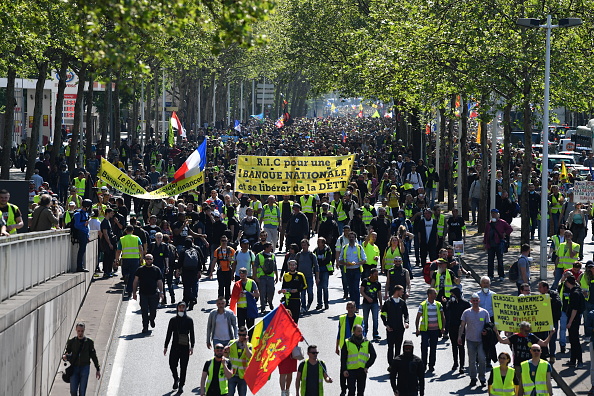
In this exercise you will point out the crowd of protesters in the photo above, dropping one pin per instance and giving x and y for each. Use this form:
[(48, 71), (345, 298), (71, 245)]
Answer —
[(387, 222)]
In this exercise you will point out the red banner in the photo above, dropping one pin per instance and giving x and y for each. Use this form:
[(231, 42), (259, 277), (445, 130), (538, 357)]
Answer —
[(278, 340)]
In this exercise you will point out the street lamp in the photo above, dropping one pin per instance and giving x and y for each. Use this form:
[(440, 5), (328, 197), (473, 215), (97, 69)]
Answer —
[(543, 232)]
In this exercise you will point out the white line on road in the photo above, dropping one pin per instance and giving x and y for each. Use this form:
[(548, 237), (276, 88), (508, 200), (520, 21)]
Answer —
[(118, 363)]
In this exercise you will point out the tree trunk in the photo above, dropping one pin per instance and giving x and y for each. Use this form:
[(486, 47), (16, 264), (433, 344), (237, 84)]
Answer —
[(106, 129), (9, 124), (149, 104), (78, 116), (37, 114), (506, 145), (442, 151), (450, 155), (89, 119), (462, 164), (526, 167), (57, 145), (117, 132), (484, 201)]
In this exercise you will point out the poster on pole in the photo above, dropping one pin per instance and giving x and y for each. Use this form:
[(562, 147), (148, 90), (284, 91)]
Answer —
[(458, 248), (510, 311), (583, 191), (292, 175)]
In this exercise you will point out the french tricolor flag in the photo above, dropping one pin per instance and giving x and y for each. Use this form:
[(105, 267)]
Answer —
[(193, 165)]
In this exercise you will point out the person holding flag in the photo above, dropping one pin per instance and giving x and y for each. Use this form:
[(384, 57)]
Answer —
[(175, 129), (311, 375), (244, 299), (195, 164)]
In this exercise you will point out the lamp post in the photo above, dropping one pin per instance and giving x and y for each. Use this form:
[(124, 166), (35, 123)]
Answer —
[(543, 232)]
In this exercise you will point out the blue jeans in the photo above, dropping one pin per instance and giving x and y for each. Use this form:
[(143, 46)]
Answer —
[(374, 308), (558, 274), (432, 195), (83, 240), (563, 330), (306, 304), (429, 342), (322, 288), (79, 380), (555, 217), (237, 383), (129, 267), (476, 352), (353, 279)]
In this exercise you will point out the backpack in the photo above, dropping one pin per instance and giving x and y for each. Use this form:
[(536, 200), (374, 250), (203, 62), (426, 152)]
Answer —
[(269, 265), (427, 273), (514, 272), (191, 258), (73, 231), (250, 227)]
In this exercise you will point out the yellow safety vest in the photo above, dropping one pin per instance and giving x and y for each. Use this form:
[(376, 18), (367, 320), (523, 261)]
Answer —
[(11, 220), (367, 215), (80, 185), (340, 213), (242, 301), (408, 212), (170, 171), (357, 357), (255, 205), (342, 320), (585, 285), (440, 225), (223, 383), (425, 316), (320, 378), (238, 361), (555, 204), (501, 387), (540, 380), (448, 285), (130, 243), (565, 260), (271, 215), (389, 256), (306, 206)]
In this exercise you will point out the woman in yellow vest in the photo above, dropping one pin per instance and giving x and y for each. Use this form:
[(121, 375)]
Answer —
[(503, 380), (391, 252), (372, 253)]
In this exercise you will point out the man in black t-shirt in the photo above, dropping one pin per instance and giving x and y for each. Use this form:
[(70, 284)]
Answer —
[(372, 296), (456, 227), (151, 228), (150, 280), (218, 375), (521, 343), (309, 372)]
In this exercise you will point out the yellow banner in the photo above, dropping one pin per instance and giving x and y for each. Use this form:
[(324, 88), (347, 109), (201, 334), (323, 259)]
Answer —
[(535, 309), (125, 184), (292, 175)]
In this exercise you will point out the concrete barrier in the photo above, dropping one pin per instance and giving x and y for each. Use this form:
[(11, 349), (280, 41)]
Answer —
[(36, 321)]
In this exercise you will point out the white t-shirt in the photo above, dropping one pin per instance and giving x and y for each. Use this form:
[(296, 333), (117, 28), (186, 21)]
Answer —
[(221, 328), (428, 228)]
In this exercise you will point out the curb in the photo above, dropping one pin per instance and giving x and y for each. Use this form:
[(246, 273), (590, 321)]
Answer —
[(108, 346), (556, 376)]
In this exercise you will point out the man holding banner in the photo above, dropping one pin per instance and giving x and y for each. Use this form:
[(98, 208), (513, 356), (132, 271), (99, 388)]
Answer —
[(521, 344)]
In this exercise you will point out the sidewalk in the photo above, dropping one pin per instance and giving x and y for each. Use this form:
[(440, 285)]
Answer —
[(572, 381), (98, 311)]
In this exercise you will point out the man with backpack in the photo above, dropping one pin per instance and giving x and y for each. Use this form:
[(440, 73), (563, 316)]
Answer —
[(496, 233), (307, 264), (266, 276), (190, 262)]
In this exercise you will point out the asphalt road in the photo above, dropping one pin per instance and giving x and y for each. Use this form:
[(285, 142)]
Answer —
[(136, 364)]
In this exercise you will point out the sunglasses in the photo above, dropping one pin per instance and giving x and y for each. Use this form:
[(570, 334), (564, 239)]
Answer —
[(243, 335), (314, 353), (220, 348)]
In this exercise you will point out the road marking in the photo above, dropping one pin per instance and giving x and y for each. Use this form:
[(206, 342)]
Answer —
[(118, 363)]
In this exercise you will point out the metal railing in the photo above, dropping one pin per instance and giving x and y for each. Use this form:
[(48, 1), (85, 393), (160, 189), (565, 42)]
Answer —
[(29, 259)]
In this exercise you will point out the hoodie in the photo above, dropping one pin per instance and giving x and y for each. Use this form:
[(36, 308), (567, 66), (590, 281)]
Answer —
[(357, 341)]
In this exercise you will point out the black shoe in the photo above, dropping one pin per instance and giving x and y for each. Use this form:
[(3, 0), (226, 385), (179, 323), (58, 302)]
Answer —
[(180, 390), (562, 349), (461, 371), (175, 384), (431, 369), (483, 384), (82, 270), (271, 306), (345, 296), (173, 299), (473, 382), (455, 366), (318, 307), (326, 306), (445, 336), (145, 331), (164, 301), (569, 364), (152, 322), (579, 365)]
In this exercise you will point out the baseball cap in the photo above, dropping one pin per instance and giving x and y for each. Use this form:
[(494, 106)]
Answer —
[(245, 241), (408, 343), (589, 264), (296, 205), (104, 188), (494, 210)]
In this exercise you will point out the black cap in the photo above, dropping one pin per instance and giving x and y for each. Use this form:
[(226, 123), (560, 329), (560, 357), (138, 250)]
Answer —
[(87, 203), (408, 343)]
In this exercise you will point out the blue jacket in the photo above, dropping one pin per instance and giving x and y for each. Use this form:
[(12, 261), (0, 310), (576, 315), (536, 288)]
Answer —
[(80, 218), (589, 325)]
